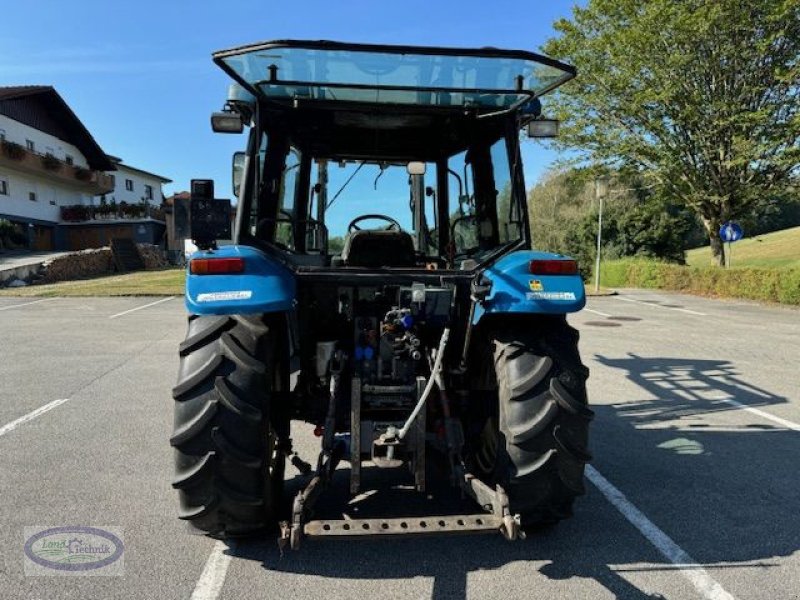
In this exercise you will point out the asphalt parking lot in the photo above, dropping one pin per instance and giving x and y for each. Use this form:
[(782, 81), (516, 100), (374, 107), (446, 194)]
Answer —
[(693, 493)]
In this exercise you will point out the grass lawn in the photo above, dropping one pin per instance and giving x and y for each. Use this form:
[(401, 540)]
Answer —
[(168, 282), (779, 249)]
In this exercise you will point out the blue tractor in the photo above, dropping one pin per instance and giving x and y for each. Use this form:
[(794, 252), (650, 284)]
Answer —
[(382, 287)]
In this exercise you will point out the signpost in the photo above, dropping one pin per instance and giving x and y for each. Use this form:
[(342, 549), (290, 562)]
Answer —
[(730, 232)]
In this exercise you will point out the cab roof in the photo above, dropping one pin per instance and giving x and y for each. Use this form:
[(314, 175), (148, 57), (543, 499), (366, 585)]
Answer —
[(481, 80)]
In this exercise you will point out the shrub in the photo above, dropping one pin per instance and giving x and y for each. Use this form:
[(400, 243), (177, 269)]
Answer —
[(752, 283), (13, 150), (50, 162), (76, 212), (82, 174)]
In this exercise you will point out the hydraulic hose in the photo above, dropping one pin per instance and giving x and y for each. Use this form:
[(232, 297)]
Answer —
[(437, 366)]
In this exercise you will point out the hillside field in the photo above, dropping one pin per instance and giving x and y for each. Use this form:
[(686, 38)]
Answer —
[(780, 249)]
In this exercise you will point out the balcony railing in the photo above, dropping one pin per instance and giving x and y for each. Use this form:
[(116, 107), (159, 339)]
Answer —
[(77, 213), (15, 156)]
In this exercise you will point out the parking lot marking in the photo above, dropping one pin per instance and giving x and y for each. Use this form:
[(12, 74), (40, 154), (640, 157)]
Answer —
[(125, 312), (786, 423), (685, 564), (8, 427), (212, 578), (597, 312), (27, 303), (683, 310)]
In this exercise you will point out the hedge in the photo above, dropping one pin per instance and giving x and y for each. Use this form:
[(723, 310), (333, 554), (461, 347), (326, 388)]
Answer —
[(752, 283)]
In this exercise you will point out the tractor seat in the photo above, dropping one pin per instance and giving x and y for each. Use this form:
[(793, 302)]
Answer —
[(378, 248)]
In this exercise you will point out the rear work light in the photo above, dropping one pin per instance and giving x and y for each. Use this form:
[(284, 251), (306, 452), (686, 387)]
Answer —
[(553, 267), (216, 266)]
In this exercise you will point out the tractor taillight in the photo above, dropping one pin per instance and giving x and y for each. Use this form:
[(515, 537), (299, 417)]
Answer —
[(553, 267), (216, 266)]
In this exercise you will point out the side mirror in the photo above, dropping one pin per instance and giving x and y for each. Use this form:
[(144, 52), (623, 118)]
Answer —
[(416, 168), (237, 172), (543, 128), (227, 122)]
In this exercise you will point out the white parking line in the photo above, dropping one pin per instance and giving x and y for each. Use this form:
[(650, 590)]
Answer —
[(597, 312), (27, 303), (30, 416), (788, 424), (125, 312), (683, 310), (212, 578), (685, 564)]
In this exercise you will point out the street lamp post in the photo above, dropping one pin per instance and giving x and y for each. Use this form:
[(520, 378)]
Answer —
[(600, 192)]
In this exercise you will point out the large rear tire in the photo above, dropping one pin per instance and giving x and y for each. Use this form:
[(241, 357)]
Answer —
[(229, 471), (534, 443)]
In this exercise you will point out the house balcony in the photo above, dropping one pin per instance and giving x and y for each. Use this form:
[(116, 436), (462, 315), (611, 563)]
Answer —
[(79, 213), (46, 166)]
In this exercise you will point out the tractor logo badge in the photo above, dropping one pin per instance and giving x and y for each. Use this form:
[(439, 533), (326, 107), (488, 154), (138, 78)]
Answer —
[(535, 285)]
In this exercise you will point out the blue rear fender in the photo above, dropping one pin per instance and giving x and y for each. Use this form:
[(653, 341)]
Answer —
[(264, 286), (516, 290)]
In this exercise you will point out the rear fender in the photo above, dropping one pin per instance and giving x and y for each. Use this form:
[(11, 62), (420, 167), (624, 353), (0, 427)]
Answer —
[(264, 286), (515, 290)]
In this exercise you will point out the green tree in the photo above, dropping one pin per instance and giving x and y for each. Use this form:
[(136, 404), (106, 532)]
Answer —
[(637, 220), (702, 96)]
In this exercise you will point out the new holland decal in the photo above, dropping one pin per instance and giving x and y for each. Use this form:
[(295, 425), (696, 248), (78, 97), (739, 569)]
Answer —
[(222, 296)]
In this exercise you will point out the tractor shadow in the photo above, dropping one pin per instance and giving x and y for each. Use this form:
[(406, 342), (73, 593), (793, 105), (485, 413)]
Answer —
[(449, 560), (723, 493), (683, 388), (720, 479)]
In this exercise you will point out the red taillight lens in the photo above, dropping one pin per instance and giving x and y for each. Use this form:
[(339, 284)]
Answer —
[(553, 267), (216, 266)]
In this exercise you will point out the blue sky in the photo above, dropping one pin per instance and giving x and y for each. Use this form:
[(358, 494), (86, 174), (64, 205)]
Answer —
[(140, 77)]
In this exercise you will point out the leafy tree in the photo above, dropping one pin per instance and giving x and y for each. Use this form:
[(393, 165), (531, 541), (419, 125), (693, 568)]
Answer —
[(636, 220), (336, 244), (701, 95)]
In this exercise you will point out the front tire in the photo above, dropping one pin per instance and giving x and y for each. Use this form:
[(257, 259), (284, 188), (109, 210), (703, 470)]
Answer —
[(228, 468), (534, 440)]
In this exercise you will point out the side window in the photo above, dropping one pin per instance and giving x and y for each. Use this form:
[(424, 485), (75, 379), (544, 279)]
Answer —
[(284, 232), (431, 216), (462, 204), (508, 217), (289, 180), (262, 153)]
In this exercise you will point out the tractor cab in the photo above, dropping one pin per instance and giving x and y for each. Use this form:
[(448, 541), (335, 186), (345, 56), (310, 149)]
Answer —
[(425, 138)]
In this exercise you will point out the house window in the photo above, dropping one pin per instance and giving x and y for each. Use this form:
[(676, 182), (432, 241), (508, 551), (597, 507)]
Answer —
[(30, 145), (69, 160), (129, 185), (113, 181), (32, 196), (148, 192), (2, 135), (3, 187)]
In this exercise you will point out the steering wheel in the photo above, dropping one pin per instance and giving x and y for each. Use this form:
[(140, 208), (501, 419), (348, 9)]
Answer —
[(353, 226)]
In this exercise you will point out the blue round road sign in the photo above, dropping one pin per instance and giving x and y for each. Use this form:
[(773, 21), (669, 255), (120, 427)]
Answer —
[(731, 232)]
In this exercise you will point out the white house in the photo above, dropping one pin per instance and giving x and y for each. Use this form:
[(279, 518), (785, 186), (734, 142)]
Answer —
[(134, 186), (48, 159), (59, 188)]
